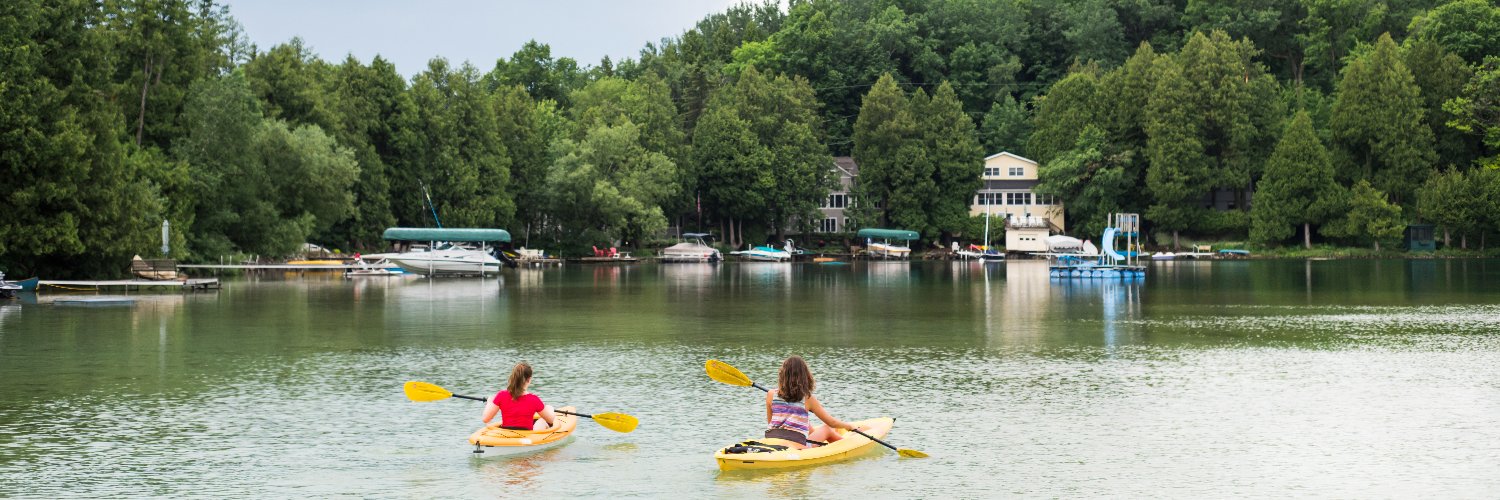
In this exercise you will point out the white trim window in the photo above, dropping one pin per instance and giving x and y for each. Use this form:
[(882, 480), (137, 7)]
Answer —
[(1017, 171), (991, 171), (988, 198), (1018, 199), (836, 200), (829, 225)]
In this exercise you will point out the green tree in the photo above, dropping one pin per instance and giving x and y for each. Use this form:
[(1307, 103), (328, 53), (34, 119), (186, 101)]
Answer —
[(608, 186), (892, 165), (292, 83), (1091, 177), (451, 145), (518, 122), (1062, 114), (1452, 200), (76, 200), (1006, 127), (1377, 120), (1476, 110), (1118, 102), (1469, 28), (949, 138), (1368, 217), (158, 49), (1180, 171), (1297, 188), (366, 102), (1441, 76)]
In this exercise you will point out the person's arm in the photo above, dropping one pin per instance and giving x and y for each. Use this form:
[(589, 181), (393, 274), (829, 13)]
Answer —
[(547, 414), (490, 409), (769, 395), (817, 408)]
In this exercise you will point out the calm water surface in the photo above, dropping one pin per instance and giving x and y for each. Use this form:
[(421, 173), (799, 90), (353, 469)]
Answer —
[(1248, 378)]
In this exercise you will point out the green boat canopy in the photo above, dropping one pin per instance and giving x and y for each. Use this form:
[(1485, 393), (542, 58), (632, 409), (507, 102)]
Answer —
[(445, 234), (890, 234)]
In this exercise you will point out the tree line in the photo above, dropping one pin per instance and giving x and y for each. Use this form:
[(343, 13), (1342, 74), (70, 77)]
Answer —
[(1353, 117)]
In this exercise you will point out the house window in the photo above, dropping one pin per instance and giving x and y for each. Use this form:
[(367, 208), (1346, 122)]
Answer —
[(837, 200), (987, 199), (829, 225), (1017, 171), (991, 171), (1017, 199), (1042, 199), (846, 223)]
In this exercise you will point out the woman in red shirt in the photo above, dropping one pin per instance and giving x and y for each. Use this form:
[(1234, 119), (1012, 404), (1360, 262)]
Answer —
[(518, 409)]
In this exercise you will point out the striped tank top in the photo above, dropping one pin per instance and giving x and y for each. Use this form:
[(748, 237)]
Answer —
[(789, 416)]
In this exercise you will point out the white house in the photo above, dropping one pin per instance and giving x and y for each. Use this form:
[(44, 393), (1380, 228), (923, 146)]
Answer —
[(1009, 180)]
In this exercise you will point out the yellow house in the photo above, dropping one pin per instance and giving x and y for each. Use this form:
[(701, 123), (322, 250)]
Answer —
[(1007, 193)]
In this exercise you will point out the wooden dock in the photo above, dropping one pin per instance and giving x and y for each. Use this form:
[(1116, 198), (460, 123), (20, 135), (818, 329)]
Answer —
[(92, 285), (289, 267)]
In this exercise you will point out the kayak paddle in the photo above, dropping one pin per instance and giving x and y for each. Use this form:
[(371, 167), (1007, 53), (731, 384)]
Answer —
[(728, 374), (422, 392)]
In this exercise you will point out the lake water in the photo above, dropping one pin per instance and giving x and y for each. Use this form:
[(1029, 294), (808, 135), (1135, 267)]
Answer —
[(1210, 379)]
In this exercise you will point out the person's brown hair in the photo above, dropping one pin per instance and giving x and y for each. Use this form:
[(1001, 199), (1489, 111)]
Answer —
[(518, 377), (795, 380)]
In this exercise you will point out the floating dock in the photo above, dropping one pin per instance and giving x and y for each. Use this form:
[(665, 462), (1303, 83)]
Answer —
[(91, 285)]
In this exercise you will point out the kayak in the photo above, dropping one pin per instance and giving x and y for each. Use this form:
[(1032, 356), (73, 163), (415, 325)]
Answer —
[(511, 440), (756, 456)]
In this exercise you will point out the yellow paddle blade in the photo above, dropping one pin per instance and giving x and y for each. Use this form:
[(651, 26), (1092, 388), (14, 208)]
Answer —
[(906, 453), (618, 422), (723, 372), (422, 392)]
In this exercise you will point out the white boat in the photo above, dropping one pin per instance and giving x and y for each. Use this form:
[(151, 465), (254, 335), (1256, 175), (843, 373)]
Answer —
[(1163, 256), (766, 253), (1058, 243), (450, 260), (694, 249), (884, 249), (446, 257)]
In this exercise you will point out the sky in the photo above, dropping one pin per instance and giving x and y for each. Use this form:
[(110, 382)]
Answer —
[(410, 32)]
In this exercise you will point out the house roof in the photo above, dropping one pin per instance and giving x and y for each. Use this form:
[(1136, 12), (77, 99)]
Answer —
[(1012, 155), (1010, 184), (846, 163)]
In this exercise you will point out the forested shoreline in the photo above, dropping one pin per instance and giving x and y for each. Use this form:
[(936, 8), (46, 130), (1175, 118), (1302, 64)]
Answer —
[(1333, 120)]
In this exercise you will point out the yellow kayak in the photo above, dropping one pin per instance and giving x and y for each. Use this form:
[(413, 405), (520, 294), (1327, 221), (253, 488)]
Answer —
[(850, 446), (512, 440)]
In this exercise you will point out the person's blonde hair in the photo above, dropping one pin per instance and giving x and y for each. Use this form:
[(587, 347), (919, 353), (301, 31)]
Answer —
[(795, 381), (518, 377)]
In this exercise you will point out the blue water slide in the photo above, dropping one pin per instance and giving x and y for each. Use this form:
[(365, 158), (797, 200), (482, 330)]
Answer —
[(1109, 244)]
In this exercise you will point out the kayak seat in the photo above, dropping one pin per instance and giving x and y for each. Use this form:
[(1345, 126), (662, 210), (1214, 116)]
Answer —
[(754, 447)]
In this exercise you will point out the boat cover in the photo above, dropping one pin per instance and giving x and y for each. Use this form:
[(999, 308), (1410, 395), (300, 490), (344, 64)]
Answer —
[(445, 234)]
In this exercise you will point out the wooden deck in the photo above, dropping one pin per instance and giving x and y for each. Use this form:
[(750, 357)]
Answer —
[(91, 285)]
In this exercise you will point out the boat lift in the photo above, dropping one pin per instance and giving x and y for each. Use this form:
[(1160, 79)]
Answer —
[(1110, 263)]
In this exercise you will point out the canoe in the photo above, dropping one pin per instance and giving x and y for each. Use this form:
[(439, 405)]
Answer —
[(510, 440), (850, 446)]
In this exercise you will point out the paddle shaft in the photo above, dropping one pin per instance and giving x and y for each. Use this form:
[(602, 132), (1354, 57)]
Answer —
[(461, 396)]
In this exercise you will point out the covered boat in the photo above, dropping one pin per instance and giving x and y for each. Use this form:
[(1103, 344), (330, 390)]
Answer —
[(445, 255), (884, 249), (694, 248), (770, 453), (511, 440)]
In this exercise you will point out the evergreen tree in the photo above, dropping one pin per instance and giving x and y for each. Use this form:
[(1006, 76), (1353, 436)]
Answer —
[(76, 200), (366, 102), (1448, 199), (957, 160), (451, 145), (1297, 187), (1377, 120), (882, 147), (1368, 217), (608, 186), (1180, 172), (1121, 110)]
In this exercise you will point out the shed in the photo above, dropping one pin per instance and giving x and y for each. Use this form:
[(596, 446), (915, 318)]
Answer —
[(1419, 238)]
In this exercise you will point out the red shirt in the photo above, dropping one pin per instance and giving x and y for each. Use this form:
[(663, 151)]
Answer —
[(517, 412)]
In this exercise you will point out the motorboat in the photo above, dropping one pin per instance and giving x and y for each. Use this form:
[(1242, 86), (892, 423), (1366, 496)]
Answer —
[(380, 268), (446, 256), (694, 248), (884, 249), (8, 289), (767, 253)]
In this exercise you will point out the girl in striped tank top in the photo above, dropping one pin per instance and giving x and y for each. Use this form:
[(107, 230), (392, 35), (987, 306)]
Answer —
[(788, 405)]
